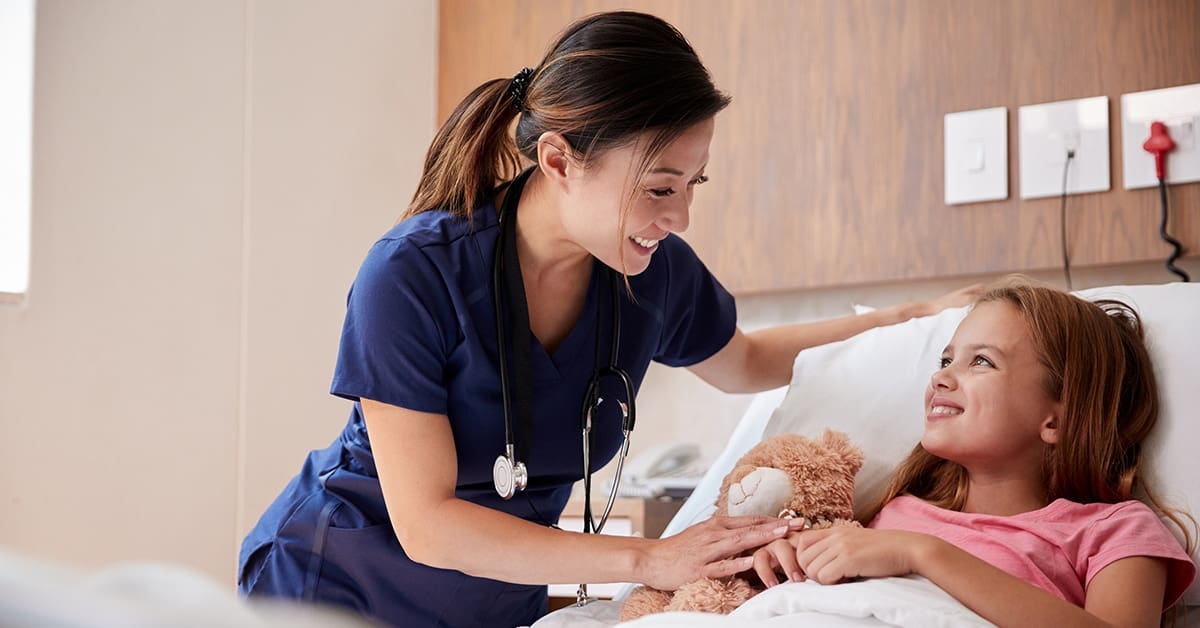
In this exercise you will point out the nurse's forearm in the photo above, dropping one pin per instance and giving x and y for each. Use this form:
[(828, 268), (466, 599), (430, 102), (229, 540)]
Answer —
[(435, 528), (774, 350), (763, 359), (487, 543)]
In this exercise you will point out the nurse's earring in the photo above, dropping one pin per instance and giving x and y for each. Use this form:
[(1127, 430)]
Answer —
[(508, 475)]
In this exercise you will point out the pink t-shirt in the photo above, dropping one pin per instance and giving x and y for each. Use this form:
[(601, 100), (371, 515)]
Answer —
[(1059, 548)]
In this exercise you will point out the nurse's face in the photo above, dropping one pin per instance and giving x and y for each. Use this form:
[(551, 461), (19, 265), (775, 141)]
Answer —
[(657, 205)]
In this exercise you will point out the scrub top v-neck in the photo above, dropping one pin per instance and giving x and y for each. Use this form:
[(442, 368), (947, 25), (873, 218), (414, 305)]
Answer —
[(420, 333)]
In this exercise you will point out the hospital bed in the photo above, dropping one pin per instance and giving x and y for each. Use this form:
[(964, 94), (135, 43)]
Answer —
[(871, 386)]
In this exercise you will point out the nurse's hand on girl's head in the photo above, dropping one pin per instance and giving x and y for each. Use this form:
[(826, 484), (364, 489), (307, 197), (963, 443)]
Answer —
[(709, 549), (957, 298), (900, 312)]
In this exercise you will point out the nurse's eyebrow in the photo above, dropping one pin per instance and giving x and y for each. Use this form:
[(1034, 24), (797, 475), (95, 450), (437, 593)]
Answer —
[(678, 173)]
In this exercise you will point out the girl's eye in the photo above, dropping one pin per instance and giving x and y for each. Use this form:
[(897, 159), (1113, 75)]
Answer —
[(662, 192), (700, 180), (981, 361), (943, 363)]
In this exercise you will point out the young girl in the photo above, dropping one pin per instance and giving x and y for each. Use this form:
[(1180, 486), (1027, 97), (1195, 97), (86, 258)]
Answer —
[(1022, 487)]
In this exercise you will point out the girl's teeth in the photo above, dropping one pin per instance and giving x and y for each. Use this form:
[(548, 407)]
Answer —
[(945, 410)]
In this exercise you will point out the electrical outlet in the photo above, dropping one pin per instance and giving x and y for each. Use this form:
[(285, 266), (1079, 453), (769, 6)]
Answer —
[(976, 161), (1048, 131), (1179, 109)]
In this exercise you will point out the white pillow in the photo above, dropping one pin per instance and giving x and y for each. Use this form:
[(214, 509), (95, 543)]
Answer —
[(872, 387)]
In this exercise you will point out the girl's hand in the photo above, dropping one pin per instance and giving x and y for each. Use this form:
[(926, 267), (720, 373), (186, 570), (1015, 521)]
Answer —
[(778, 556), (836, 554), (708, 550)]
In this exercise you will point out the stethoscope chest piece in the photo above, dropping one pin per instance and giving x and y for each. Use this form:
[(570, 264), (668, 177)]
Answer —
[(509, 476)]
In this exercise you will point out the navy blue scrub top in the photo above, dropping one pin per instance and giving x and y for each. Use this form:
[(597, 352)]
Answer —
[(420, 333)]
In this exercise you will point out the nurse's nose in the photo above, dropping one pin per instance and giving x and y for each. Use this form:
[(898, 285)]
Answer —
[(677, 215)]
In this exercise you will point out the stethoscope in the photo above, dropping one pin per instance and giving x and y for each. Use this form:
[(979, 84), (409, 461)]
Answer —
[(509, 473)]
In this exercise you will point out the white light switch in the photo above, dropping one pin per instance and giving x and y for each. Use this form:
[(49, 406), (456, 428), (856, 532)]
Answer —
[(976, 163), (1179, 109), (976, 150), (1048, 131)]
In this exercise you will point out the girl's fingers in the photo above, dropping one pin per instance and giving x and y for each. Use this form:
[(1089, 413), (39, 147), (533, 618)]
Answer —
[(816, 562), (764, 566), (808, 538), (788, 563)]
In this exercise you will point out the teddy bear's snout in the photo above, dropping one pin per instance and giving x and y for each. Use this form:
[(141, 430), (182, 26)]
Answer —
[(763, 491)]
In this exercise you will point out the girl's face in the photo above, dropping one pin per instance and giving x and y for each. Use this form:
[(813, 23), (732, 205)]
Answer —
[(660, 203), (986, 407)]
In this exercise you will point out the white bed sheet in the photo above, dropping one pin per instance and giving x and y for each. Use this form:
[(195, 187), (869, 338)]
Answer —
[(910, 602)]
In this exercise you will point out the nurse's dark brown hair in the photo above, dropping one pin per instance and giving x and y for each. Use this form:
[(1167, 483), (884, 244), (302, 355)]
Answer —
[(609, 78), (1097, 366)]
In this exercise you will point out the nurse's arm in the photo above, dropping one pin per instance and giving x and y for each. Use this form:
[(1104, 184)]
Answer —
[(762, 360), (415, 457)]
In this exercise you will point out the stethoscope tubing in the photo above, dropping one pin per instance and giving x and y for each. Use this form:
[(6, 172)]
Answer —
[(510, 463)]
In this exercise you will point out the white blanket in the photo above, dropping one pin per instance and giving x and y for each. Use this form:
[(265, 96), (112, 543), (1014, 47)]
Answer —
[(908, 601)]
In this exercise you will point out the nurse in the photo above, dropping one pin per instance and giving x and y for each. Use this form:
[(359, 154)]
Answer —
[(401, 518)]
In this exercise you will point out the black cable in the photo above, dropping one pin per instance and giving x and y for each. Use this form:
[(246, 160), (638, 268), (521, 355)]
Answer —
[(1177, 248), (1062, 222)]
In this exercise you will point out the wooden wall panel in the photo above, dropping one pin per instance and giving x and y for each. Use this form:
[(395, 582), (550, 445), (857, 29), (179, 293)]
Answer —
[(827, 168)]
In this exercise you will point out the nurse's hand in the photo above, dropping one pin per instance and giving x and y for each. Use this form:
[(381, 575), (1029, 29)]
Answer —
[(710, 549), (957, 298)]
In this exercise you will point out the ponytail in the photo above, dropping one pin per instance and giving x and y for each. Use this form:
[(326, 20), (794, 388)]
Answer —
[(471, 153), (607, 80)]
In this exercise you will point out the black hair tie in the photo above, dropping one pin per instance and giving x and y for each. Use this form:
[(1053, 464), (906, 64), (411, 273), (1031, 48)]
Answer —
[(517, 87)]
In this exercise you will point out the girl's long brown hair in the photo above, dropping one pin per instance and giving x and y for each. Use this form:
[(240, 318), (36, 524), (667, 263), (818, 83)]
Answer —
[(608, 78), (1097, 366)]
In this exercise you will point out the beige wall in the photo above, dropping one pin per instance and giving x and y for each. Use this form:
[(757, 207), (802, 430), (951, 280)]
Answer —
[(207, 176)]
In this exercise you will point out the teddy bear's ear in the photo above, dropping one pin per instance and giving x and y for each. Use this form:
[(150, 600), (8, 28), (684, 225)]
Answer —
[(735, 475), (840, 443)]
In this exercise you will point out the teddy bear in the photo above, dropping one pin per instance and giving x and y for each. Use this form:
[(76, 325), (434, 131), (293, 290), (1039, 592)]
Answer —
[(785, 476)]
